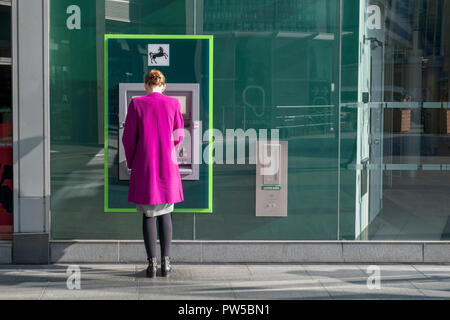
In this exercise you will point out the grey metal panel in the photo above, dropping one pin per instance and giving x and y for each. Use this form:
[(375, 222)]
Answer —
[(272, 202), (32, 214), (117, 10), (123, 107), (5, 252), (100, 27), (31, 131), (31, 98), (15, 99), (190, 16), (46, 106)]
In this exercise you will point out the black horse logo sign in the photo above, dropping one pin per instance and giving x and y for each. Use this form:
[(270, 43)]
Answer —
[(159, 54)]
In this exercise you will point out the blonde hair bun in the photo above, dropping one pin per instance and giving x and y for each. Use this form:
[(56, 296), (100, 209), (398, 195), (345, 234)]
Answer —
[(155, 78)]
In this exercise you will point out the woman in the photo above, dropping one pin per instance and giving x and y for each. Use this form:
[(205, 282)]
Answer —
[(153, 128)]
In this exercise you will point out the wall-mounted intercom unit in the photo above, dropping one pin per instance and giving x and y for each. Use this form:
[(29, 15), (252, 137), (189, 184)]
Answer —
[(271, 178)]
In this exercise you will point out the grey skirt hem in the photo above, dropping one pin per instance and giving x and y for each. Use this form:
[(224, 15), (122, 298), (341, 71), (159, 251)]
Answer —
[(155, 210)]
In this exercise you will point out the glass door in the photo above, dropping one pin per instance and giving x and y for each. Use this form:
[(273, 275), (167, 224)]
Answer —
[(363, 128), (403, 121)]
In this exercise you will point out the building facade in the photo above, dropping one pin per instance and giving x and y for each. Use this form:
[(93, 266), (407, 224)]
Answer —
[(357, 91)]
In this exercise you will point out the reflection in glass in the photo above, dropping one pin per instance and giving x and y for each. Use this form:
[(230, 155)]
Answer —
[(409, 136), (6, 126), (366, 115)]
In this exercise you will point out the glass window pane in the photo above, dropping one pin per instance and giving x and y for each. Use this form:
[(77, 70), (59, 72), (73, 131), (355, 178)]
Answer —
[(6, 154), (76, 113), (275, 64), (407, 115), (6, 128), (362, 103), (274, 69), (5, 31)]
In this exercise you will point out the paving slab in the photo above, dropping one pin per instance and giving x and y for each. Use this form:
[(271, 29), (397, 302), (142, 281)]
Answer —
[(305, 288), (268, 272), (164, 289), (29, 291), (221, 272), (93, 292), (363, 293), (226, 282), (396, 275), (435, 287), (96, 284), (25, 276), (435, 294), (346, 275), (436, 271)]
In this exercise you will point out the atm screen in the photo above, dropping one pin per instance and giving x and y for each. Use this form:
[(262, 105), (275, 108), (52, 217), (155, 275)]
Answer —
[(185, 98), (182, 100), (188, 96)]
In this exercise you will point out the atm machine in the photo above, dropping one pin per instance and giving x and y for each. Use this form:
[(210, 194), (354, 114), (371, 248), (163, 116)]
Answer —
[(189, 149)]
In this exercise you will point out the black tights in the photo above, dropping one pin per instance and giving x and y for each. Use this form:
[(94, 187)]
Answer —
[(165, 234)]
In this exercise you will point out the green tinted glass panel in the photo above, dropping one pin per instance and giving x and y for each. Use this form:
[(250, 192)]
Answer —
[(76, 117), (6, 126), (5, 31), (190, 61), (276, 66)]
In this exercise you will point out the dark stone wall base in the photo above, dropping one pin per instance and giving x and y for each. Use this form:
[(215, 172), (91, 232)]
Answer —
[(30, 248)]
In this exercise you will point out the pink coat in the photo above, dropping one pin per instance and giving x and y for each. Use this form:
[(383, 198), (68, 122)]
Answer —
[(149, 140)]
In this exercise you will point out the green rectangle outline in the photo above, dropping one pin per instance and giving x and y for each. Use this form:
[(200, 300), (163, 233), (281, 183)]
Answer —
[(106, 118)]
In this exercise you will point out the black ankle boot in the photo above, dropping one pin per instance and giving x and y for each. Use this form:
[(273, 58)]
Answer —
[(165, 266), (152, 267)]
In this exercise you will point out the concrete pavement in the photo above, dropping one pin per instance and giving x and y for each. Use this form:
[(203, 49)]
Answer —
[(225, 281)]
